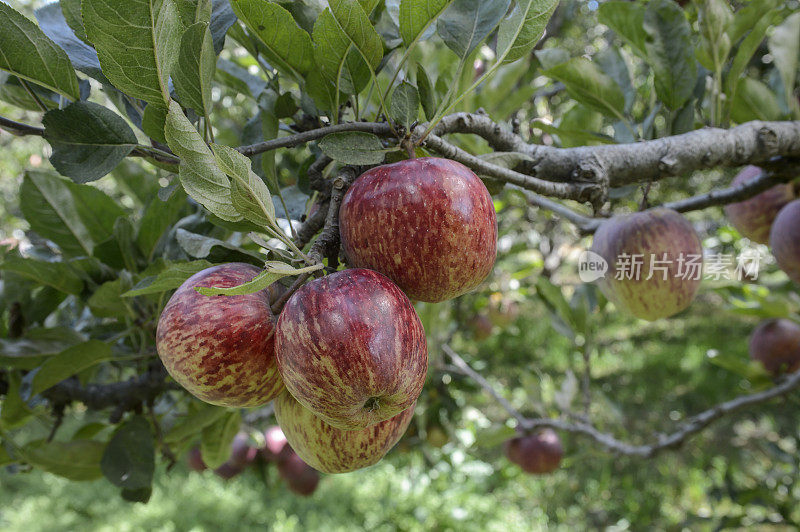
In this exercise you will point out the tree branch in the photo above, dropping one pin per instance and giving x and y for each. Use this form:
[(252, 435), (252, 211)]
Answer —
[(382, 129), (691, 426)]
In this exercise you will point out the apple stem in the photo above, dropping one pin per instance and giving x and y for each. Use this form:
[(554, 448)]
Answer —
[(409, 147)]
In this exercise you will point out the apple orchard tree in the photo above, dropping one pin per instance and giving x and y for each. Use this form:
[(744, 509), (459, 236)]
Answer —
[(311, 175)]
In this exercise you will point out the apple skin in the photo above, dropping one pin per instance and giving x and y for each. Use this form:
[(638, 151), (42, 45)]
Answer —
[(332, 450), (221, 348), (776, 344), (655, 231), (428, 224), (753, 217), (275, 445), (536, 453), (299, 476), (351, 348), (784, 239)]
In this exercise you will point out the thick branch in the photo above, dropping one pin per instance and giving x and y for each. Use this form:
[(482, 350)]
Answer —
[(691, 426)]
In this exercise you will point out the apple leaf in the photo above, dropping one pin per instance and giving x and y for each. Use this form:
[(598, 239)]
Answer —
[(353, 147), (670, 52), (522, 28), (249, 193), (195, 68), (416, 16), (215, 446), (88, 140), (74, 460), (627, 21), (404, 108), (466, 23), (27, 52), (137, 42), (287, 46), (71, 9), (168, 279), (154, 118), (59, 275), (273, 270), (784, 45), (427, 94), (129, 458), (194, 11), (754, 101), (768, 14), (199, 174), (588, 84), (65, 364), (194, 423)]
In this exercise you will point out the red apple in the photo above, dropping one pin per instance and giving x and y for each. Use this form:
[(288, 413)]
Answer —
[(428, 224), (753, 217), (351, 348), (299, 476), (228, 470), (242, 453), (221, 348), (784, 239), (654, 262), (195, 460), (275, 444), (333, 450), (776, 344), (536, 453)]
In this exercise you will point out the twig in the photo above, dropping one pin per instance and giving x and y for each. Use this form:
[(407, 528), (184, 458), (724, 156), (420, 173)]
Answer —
[(377, 128), (691, 426), (18, 129), (281, 301)]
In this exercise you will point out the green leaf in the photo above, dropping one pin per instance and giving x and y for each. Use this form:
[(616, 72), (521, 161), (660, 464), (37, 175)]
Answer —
[(201, 247), (754, 101), (36, 346), (74, 460), (466, 23), (83, 57), (59, 275), (27, 52), (14, 411), (158, 217), (137, 43), (194, 423), (199, 174), (627, 21), (193, 11), (273, 270), (287, 46), (588, 84), (215, 447), (784, 45), (249, 194), (416, 16), (426, 92), (493, 436), (153, 120), (354, 22), (353, 147), (69, 362), (404, 107), (322, 91), (88, 140), (195, 68), (75, 217), (170, 278), (522, 28), (5, 458), (747, 47), (670, 52), (129, 458), (106, 301), (72, 14), (613, 64)]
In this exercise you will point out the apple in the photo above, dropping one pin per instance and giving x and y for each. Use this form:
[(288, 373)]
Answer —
[(753, 217), (242, 453), (663, 245), (351, 349), (275, 444), (228, 470), (784, 239), (536, 453), (221, 348), (428, 224), (776, 344), (332, 450), (195, 460), (299, 476)]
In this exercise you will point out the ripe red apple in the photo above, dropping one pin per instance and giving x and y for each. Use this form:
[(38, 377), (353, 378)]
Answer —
[(351, 348), (428, 224), (299, 476), (663, 244), (242, 453), (332, 450), (275, 444), (784, 239), (776, 344), (195, 460), (221, 348), (753, 217), (536, 453)]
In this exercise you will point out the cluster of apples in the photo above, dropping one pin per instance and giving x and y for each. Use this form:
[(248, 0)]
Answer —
[(347, 358), (300, 478)]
